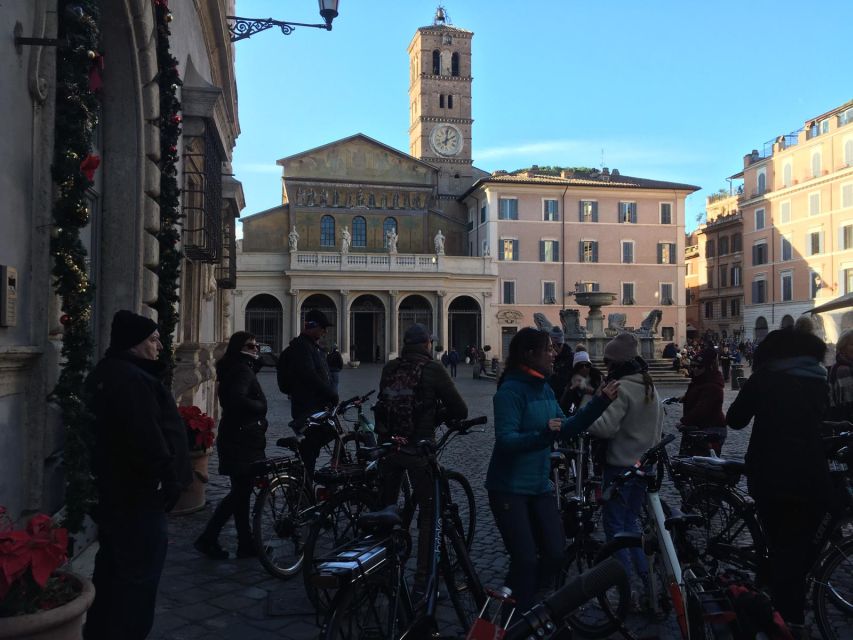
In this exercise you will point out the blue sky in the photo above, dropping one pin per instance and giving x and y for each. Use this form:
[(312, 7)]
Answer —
[(670, 90)]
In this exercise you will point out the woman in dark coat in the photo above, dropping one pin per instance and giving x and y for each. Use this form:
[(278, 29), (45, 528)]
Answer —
[(787, 469), (703, 403), (241, 441)]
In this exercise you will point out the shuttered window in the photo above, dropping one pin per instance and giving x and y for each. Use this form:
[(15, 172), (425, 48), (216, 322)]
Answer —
[(588, 251), (549, 251), (588, 211)]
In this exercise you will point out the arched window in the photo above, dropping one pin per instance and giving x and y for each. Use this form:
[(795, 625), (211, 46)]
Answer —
[(450, 101), (390, 224), (359, 232), (454, 64), (327, 231), (787, 174), (441, 101), (815, 164), (436, 62), (762, 182)]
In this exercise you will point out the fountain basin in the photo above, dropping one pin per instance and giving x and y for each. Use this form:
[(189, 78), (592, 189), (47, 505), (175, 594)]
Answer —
[(594, 298)]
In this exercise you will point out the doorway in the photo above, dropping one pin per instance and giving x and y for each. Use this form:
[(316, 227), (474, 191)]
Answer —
[(463, 319), (367, 329)]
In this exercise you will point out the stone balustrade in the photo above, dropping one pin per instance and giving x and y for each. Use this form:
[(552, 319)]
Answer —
[(420, 263)]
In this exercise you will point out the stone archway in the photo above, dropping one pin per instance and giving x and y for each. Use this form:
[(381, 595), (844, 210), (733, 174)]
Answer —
[(787, 322), (265, 319), (367, 329), (413, 309), (464, 322)]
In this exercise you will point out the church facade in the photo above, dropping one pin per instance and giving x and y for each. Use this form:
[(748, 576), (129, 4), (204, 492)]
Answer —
[(373, 236)]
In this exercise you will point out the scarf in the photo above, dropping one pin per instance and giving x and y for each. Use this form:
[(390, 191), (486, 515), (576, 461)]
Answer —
[(798, 366), (637, 365)]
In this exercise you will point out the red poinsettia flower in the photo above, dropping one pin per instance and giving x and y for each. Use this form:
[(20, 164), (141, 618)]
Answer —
[(47, 547), (200, 425), (14, 558), (88, 166)]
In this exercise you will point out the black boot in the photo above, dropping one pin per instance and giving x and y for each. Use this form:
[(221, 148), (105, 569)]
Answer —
[(210, 548)]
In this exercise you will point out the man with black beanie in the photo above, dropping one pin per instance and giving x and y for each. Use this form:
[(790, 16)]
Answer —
[(141, 464)]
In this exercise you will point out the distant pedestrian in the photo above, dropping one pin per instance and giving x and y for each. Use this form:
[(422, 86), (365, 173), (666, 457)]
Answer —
[(481, 359), (141, 464), (453, 360), (241, 441), (336, 363), (725, 363)]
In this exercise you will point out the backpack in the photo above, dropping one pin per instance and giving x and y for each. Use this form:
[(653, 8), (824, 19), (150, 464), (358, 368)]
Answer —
[(283, 373), (398, 404)]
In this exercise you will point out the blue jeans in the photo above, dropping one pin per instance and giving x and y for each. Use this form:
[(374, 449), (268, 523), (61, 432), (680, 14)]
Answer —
[(621, 515), (533, 536), (127, 572)]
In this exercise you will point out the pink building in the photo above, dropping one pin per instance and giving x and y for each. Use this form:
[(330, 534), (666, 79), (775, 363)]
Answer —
[(554, 233)]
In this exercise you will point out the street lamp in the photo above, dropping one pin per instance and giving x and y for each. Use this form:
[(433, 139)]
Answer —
[(241, 28)]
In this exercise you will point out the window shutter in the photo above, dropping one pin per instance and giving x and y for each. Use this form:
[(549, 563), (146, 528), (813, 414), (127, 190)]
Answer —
[(671, 253), (596, 286), (556, 250), (541, 251), (580, 251), (580, 211), (515, 249), (660, 253), (755, 252), (633, 209), (500, 249), (595, 251), (595, 212)]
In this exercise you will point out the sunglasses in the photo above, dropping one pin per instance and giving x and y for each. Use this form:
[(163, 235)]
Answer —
[(251, 345)]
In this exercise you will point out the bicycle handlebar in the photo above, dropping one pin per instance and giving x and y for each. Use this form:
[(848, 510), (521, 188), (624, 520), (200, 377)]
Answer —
[(355, 400), (648, 457), (455, 427), (550, 613)]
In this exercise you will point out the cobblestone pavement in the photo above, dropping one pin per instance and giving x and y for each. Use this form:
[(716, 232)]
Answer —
[(201, 598)]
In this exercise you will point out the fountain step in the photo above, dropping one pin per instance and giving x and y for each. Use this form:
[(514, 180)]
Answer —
[(659, 369)]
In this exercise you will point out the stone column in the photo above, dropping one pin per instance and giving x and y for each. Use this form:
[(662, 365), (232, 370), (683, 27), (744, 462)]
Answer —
[(295, 327), (441, 329), (343, 322), (394, 324)]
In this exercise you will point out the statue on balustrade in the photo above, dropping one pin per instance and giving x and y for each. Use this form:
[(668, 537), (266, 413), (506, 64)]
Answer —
[(346, 239), (439, 243), (391, 237), (293, 239)]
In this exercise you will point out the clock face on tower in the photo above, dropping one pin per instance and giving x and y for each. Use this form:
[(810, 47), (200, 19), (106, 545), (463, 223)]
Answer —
[(446, 139)]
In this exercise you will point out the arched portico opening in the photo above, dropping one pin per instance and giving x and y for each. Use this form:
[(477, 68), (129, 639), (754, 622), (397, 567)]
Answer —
[(413, 309), (367, 329), (464, 324), (760, 331), (265, 318), (787, 321), (325, 304)]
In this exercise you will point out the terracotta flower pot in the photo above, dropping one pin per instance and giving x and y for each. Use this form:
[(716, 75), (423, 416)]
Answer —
[(61, 623), (193, 497)]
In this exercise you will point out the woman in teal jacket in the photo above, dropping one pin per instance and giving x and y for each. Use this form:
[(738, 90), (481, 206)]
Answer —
[(528, 420)]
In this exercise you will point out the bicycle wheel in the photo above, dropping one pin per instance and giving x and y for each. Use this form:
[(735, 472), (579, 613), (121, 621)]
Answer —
[(732, 534), (647, 579), (464, 505), (463, 584), (336, 524), (832, 592), (367, 608), (280, 524), (590, 620)]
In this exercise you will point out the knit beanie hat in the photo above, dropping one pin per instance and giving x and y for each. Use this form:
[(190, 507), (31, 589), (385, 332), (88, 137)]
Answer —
[(622, 348), (580, 356), (417, 334), (556, 335), (129, 329)]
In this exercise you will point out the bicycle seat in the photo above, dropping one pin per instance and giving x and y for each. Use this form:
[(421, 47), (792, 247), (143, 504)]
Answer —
[(380, 521), (290, 442), (365, 454), (680, 521)]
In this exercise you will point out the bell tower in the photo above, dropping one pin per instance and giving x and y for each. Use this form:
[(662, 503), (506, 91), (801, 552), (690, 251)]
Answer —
[(440, 104)]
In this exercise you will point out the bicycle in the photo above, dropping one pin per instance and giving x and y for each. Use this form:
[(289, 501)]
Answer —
[(285, 502), (372, 597), (358, 490)]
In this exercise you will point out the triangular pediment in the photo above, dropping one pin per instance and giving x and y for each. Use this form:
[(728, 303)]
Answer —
[(361, 159)]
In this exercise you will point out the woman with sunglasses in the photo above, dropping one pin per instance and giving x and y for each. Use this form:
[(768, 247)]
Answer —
[(241, 441)]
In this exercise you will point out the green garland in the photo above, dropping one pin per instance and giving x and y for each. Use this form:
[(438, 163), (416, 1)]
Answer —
[(169, 236), (77, 109)]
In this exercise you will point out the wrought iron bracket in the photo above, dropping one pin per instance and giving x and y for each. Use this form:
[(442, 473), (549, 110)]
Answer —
[(242, 28), (21, 41)]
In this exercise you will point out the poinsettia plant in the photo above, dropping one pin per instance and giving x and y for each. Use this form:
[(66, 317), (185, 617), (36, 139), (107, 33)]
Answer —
[(29, 558), (200, 427)]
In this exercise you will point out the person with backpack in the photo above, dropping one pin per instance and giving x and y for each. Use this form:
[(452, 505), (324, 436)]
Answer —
[(415, 395), (304, 375), (453, 360)]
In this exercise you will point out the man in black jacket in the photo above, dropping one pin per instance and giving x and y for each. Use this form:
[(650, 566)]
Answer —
[(311, 386), (141, 463), (436, 399)]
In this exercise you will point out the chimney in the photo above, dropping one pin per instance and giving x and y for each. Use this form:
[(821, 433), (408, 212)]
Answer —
[(499, 172), (532, 171), (615, 172), (567, 173)]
